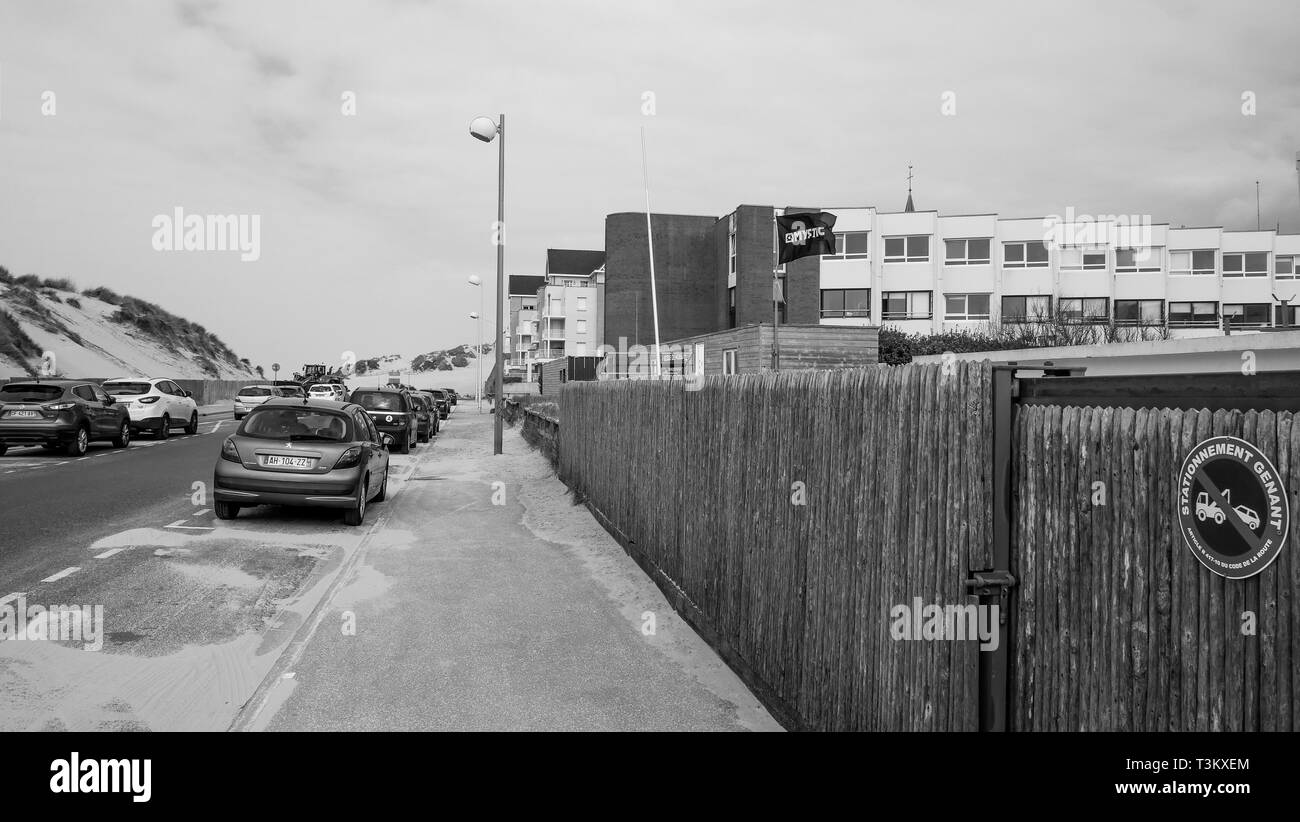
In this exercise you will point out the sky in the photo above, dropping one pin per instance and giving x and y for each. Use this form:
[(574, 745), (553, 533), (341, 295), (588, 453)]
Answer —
[(372, 215)]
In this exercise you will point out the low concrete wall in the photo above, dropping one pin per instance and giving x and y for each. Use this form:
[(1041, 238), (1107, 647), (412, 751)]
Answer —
[(206, 392)]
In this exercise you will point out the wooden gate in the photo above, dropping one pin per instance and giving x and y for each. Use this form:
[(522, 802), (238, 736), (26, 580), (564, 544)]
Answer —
[(1115, 624)]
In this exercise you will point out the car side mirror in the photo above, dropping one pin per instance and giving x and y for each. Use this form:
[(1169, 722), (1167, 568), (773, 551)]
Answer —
[(187, 393), (387, 440), (109, 400)]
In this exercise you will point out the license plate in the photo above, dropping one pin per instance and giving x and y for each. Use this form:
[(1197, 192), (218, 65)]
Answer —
[(25, 414), (289, 462)]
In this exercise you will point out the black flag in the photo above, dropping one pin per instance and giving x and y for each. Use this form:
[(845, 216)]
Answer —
[(803, 235)]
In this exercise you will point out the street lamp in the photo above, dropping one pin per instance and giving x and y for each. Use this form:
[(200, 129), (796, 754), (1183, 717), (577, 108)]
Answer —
[(482, 128), (475, 281)]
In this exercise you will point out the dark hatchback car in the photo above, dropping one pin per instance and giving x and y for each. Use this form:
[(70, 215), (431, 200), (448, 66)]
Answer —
[(444, 405), (452, 396), (68, 414), (393, 412), (426, 417), (317, 453)]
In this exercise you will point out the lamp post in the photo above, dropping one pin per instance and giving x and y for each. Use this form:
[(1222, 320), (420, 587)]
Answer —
[(475, 281), (482, 128), (478, 392)]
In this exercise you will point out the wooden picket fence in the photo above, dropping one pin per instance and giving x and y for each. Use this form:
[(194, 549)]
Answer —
[(784, 515), (1119, 627)]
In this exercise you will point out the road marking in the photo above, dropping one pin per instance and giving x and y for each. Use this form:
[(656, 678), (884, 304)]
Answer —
[(83, 459), (110, 552), (200, 512), (65, 462), (5, 600), (177, 524), (66, 572)]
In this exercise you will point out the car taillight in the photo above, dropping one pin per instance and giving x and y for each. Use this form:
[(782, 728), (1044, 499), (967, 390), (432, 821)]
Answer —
[(229, 451), (350, 458), (148, 400), (61, 406)]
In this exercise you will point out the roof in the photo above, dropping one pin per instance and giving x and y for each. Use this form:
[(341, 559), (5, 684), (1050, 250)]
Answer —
[(573, 262), (298, 402), (525, 285)]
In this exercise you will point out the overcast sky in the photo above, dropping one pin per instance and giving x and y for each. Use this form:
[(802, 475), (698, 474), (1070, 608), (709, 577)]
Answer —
[(371, 223)]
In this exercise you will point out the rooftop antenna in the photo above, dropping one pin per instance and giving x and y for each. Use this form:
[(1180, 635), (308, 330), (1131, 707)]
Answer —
[(909, 206)]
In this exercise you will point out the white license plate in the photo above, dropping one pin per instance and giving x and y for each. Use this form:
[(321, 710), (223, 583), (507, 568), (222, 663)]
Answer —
[(289, 462), (25, 414)]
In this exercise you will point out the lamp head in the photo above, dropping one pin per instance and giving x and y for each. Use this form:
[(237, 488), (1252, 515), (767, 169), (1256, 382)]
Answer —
[(473, 315), (483, 129), (474, 280)]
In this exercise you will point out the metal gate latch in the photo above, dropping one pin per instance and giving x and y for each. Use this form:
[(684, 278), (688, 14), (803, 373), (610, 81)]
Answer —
[(993, 583)]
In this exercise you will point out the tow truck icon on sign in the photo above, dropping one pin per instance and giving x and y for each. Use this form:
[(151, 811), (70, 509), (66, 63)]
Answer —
[(1205, 509)]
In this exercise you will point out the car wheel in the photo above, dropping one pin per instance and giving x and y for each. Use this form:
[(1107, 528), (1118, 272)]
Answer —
[(165, 430), (77, 448), (193, 427), (383, 490), (3, 449), (226, 510), (405, 447), (123, 438), (357, 513)]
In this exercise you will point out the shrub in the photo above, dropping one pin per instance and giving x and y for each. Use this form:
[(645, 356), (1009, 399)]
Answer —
[(459, 361), (106, 294), (74, 302), (5, 276), (59, 284), (29, 280), (14, 342)]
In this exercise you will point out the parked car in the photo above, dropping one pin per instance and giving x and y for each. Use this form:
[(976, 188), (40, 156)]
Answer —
[(289, 388), (155, 405), (425, 414), (315, 453), (393, 411), (444, 406), (251, 396), (435, 414), (68, 414), (323, 391), (452, 396)]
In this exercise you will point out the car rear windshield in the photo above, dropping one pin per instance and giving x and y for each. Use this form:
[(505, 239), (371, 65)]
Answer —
[(438, 394), (128, 388), (24, 392), (291, 391), (379, 400), (254, 392), (296, 424)]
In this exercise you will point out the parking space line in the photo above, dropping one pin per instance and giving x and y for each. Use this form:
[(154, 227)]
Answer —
[(110, 552), (200, 512), (66, 572)]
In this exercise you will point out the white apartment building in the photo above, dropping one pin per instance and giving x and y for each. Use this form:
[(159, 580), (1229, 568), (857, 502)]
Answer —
[(924, 272), (568, 313)]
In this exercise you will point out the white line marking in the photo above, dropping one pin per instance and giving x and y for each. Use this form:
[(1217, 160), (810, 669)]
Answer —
[(110, 552), (174, 524), (192, 527), (65, 462), (83, 459), (66, 572), (200, 511), (5, 600)]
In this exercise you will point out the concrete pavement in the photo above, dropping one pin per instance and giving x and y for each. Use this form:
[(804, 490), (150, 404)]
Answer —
[(489, 602)]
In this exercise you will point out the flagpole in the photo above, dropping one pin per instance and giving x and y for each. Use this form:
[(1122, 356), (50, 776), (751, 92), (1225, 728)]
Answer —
[(776, 309), (654, 292)]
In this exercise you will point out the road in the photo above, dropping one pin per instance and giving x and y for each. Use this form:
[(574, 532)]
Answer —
[(480, 598)]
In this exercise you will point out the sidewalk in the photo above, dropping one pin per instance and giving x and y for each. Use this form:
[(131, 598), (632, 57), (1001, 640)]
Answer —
[(522, 616)]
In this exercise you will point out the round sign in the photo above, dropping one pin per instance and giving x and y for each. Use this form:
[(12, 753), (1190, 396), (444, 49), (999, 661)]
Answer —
[(388, 418), (1232, 507)]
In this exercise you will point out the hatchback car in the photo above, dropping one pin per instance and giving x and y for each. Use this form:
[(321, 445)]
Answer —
[(314, 453), (393, 411), (155, 405), (452, 396), (444, 405), (68, 414), (251, 396), (426, 417)]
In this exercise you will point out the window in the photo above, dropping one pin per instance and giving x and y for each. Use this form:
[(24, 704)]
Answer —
[(1240, 314), (966, 306), (580, 348), (914, 249), (1140, 312), (846, 302), (731, 307), (1024, 255), (582, 304), (1189, 315), (1029, 308), (966, 252), (552, 304), (1084, 309), (1131, 260), (1286, 268), (582, 326), (851, 245), (905, 305), (731, 243), (1249, 264), (1083, 258), (1192, 263), (85, 392), (729, 362)]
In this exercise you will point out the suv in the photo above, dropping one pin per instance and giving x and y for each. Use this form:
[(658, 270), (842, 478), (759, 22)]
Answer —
[(67, 414), (424, 417), (156, 405), (393, 412)]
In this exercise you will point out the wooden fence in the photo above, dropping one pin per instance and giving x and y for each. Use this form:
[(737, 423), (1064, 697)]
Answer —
[(1119, 626), (784, 515)]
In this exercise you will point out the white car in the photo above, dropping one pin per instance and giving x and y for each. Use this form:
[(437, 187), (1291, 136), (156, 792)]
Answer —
[(325, 392), (155, 404), (251, 396)]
